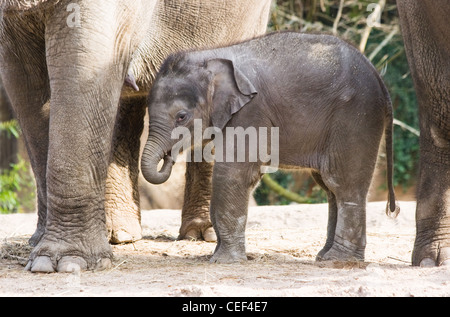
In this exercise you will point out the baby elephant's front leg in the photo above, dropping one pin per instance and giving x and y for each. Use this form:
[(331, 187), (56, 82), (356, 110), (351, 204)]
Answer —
[(232, 184)]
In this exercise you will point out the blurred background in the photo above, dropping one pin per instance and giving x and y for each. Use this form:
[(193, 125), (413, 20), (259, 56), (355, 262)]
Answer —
[(371, 26)]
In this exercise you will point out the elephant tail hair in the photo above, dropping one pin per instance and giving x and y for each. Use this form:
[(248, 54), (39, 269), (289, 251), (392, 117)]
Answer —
[(392, 209)]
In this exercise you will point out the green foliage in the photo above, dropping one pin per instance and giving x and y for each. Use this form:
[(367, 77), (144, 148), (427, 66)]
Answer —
[(13, 182), (17, 183), (264, 194), (283, 192), (382, 44), (308, 193), (11, 128)]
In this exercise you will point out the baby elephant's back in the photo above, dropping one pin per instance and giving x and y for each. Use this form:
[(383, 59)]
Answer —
[(320, 64), (328, 86), (322, 70)]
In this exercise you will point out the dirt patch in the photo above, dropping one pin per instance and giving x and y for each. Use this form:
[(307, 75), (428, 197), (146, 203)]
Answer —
[(282, 243)]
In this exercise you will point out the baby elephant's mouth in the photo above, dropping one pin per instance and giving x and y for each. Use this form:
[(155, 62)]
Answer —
[(168, 159)]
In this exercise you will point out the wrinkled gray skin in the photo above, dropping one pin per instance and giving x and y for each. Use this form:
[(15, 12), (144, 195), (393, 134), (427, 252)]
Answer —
[(329, 103), (427, 42), (82, 129)]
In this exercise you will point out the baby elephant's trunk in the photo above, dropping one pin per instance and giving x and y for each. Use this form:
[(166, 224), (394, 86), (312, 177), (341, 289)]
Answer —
[(151, 157)]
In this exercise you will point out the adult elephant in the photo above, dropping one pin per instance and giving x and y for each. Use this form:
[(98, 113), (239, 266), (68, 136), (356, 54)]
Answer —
[(63, 64), (427, 41)]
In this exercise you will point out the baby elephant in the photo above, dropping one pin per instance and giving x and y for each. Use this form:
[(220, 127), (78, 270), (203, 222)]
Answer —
[(313, 100)]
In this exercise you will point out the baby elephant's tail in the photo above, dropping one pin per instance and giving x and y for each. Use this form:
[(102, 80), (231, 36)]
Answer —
[(392, 209)]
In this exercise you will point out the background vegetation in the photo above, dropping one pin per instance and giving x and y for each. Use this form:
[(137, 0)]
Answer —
[(380, 40), (17, 187)]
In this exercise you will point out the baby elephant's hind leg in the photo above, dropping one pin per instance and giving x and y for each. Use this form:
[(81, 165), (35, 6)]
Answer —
[(332, 214), (350, 233)]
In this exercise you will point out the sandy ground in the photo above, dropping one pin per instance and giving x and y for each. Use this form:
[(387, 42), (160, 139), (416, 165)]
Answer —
[(282, 243)]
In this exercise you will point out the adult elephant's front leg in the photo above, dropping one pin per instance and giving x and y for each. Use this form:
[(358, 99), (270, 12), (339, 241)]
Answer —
[(75, 234), (195, 218), (122, 203), (30, 105), (85, 78)]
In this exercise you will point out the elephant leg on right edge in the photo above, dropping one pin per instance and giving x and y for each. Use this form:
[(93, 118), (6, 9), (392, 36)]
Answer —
[(195, 218), (425, 34), (432, 243)]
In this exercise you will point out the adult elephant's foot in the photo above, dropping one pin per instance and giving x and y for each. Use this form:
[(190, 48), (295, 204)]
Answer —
[(123, 214), (195, 215), (431, 248), (431, 255), (42, 219), (124, 236), (124, 228), (36, 237), (49, 257), (198, 228), (429, 262), (341, 251), (432, 243)]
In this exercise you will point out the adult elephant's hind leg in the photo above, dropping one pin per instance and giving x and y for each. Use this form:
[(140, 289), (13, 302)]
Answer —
[(195, 218), (122, 204)]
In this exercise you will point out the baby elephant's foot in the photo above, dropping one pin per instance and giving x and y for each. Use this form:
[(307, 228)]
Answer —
[(346, 252), (228, 255)]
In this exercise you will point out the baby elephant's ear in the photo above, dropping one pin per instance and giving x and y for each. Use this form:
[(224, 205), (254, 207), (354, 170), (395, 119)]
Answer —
[(232, 91)]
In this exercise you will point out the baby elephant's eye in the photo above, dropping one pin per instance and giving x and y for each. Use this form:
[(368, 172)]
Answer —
[(181, 117)]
